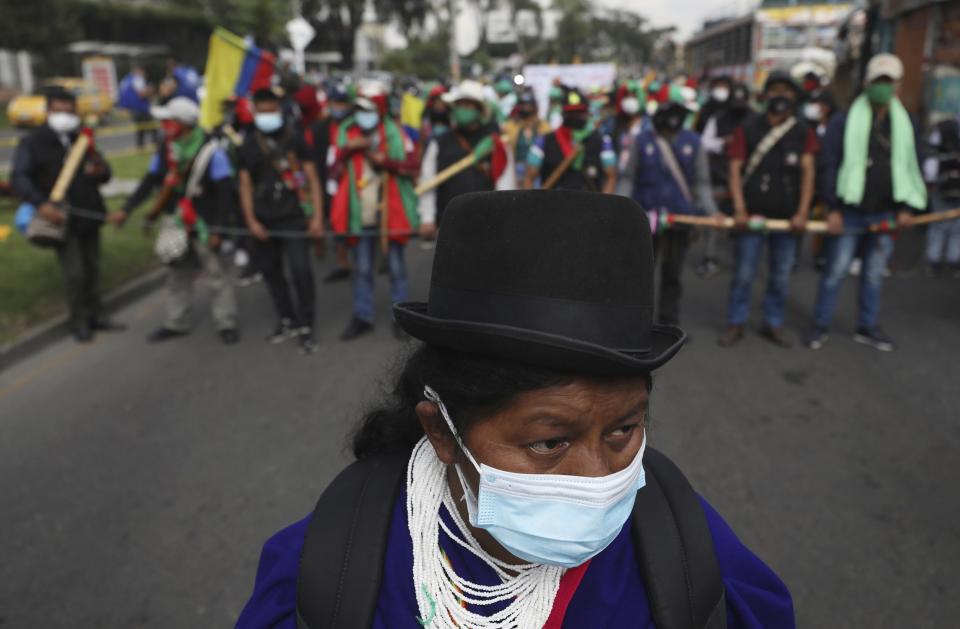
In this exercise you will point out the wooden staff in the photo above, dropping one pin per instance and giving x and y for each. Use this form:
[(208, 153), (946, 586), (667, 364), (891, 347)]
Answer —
[(41, 231), (385, 216), (70, 167), (561, 169), (453, 170), (813, 227), (936, 217)]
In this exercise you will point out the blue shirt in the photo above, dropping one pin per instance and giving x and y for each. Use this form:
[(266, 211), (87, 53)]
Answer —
[(611, 595)]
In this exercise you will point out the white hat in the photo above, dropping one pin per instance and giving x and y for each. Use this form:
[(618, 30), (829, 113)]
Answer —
[(181, 109), (884, 65), (367, 94), (467, 90)]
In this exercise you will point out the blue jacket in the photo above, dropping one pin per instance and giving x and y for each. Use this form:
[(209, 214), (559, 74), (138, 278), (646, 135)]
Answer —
[(654, 187)]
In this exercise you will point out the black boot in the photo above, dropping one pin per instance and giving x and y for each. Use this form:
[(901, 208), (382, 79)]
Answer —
[(82, 331)]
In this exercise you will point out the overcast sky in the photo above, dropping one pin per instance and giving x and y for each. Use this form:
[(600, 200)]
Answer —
[(686, 15)]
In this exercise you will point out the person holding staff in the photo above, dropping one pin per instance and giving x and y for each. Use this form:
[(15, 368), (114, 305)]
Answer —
[(280, 190), (870, 175), (196, 185), (37, 164), (667, 171), (375, 203), (575, 156), (471, 134), (510, 479), (771, 175)]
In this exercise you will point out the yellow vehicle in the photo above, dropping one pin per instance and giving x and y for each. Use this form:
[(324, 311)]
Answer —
[(31, 110)]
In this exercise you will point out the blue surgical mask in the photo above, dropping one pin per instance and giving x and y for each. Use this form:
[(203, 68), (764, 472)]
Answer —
[(367, 120), (552, 519), (268, 122)]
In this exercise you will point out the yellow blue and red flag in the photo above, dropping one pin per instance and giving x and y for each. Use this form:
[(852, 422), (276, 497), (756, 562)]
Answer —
[(235, 68)]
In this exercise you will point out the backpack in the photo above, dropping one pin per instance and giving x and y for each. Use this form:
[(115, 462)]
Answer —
[(342, 561)]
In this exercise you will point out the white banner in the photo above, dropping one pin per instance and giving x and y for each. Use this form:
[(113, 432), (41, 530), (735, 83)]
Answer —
[(585, 77)]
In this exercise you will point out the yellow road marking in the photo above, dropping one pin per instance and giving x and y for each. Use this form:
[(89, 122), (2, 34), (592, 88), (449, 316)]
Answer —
[(44, 367), (61, 359)]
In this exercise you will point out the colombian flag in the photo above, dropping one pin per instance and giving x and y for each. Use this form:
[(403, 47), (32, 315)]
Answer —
[(234, 68)]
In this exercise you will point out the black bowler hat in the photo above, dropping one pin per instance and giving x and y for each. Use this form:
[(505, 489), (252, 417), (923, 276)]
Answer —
[(555, 278)]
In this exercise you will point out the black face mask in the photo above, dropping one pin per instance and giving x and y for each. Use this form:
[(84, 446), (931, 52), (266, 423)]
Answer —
[(574, 122), (670, 120), (526, 114), (779, 105)]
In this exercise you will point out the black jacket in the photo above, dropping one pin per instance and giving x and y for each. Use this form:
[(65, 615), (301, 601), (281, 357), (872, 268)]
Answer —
[(878, 196), (36, 164)]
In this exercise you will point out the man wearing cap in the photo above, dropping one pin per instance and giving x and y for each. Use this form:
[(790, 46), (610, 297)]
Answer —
[(771, 176), (471, 134), (586, 156), (667, 172), (197, 193), (280, 191), (870, 175), (36, 165), (375, 205)]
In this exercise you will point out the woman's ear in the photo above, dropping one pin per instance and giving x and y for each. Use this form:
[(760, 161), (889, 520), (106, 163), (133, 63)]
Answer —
[(437, 432)]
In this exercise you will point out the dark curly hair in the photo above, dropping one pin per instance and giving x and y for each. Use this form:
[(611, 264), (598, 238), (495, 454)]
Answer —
[(471, 387)]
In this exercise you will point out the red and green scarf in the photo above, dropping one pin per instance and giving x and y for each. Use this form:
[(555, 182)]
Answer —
[(345, 213)]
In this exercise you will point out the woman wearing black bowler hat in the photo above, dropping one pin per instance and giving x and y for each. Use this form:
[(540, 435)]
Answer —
[(508, 481)]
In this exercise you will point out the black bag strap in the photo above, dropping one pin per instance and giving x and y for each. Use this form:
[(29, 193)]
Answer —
[(342, 561), (675, 550)]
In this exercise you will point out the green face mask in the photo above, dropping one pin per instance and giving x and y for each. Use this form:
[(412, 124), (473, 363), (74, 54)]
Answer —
[(465, 116), (880, 93)]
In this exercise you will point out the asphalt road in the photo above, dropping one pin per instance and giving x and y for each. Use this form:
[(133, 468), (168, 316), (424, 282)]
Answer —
[(139, 482)]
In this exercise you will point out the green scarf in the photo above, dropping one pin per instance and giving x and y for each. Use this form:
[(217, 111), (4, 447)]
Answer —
[(403, 185), (908, 186), (579, 138), (185, 148)]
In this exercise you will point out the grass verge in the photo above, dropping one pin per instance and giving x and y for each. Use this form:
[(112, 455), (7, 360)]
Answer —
[(31, 290)]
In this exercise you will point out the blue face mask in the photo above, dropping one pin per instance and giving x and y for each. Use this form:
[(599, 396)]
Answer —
[(268, 122), (339, 114), (367, 120), (552, 519)]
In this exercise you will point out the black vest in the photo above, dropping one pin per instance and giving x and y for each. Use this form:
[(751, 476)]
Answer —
[(774, 188), (589, 177), (473, 179), (948, 156)]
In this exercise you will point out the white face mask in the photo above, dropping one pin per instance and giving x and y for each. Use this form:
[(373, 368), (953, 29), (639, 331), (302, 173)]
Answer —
[(63, 121), (630, 105), (811, 111), (720, 94), (551, 519)]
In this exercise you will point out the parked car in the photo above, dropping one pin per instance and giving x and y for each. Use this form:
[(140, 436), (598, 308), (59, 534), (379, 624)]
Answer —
[(31, 110)]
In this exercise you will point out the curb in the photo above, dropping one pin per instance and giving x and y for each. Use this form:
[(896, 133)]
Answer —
[(46, 334)]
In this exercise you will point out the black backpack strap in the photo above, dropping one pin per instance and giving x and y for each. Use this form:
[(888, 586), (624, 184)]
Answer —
[(675, 550), (342, 561)]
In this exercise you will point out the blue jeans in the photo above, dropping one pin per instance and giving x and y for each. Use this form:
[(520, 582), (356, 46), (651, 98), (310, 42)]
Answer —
[(943, 238), (876, 251), (782, 250), (365, 257)]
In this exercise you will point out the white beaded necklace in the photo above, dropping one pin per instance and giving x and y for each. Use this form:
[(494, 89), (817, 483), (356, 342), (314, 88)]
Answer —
[(441, 593)]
